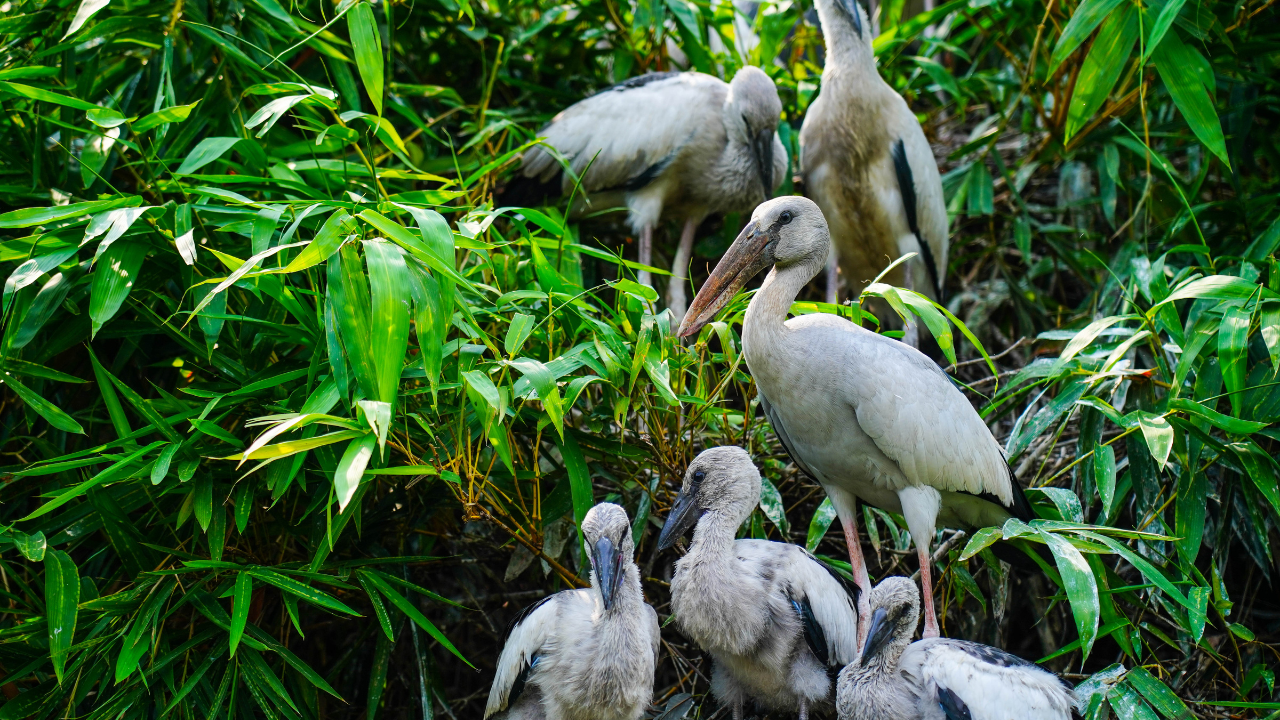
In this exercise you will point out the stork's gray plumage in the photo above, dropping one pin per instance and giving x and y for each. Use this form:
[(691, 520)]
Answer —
[(866, 416), (670, 145), (940, 678), (774, 619), (583, 654), (865, 161)]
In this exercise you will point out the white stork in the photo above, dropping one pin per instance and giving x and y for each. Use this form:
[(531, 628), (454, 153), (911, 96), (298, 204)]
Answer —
[(583, 654), (674, 145), (866, 162), (866, 416), (940, 678), (776, 622)]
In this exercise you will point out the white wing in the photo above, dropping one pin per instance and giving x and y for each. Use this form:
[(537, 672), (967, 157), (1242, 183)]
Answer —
[(909, 409), (931, 208), (528, 633), (637, 128), (799, 576), (991, 683)]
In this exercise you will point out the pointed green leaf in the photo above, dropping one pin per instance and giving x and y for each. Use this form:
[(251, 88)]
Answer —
[(367, 44), (241, 598), (61, 599), (346, 478)]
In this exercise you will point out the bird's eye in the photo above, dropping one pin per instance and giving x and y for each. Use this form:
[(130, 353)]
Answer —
[(785, 217), (698, 476)]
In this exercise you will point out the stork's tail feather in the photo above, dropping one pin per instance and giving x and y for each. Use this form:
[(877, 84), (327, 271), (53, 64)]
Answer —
[(528, 192)]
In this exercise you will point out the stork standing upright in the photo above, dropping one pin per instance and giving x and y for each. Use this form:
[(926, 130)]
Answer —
[(675, 145), (583, 654), (773, 618), (866, 416), (940, 678), (865, 161)]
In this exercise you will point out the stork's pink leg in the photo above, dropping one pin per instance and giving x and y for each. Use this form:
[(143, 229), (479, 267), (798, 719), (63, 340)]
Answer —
[(926, 586), (645, 254), (860, 577)]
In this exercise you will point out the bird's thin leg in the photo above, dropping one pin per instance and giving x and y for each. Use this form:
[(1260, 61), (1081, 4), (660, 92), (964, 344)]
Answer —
[(737, 709), (926, 586), (645, 254), (676, 298), (833, 278), (860, 577), (804, 710)]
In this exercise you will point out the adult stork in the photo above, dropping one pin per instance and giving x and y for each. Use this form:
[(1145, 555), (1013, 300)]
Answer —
[(678, 145), (940, 678), (865, 161), (583, 654), (776, 622), (866, 416)]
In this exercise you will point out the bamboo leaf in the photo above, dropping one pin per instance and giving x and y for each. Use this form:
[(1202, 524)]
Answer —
[(113, 278), (391, 305), (823, 516), (1102, 66), (1178, 65), (61, 599), (1233, 345), (414, 614), (367, 44), (1083, 22), (241, 599), (45, 409), (1081, 587), (346, 478)]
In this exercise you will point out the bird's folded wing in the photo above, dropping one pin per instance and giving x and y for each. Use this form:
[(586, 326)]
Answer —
[(628, 134), (990, 682), (829, 604), (526, 635), (931, 205), (655, 630), (918, 419)]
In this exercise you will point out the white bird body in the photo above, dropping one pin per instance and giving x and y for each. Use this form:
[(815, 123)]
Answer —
[(941, 678), (866, 162), (669, 145), (867, 417), (773, 618), (574, 656)]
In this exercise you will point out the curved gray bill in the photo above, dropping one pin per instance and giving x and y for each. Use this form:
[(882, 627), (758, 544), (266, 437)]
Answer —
[(877, 634), (762, 148), (744, 258), (851, 7), (684, 515), (607, 559)]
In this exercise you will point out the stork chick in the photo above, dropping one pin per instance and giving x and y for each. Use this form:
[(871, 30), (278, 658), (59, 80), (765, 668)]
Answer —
[(773, 618), (865, 161), (669, 145), (940, 678), (583, 654), (866, 416)]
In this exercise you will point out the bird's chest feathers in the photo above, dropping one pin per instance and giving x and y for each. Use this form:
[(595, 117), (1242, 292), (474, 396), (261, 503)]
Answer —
[(606, 665)]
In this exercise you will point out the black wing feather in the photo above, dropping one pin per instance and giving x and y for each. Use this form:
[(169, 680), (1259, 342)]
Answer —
[(952, 706), (907, 186), (813, 634)]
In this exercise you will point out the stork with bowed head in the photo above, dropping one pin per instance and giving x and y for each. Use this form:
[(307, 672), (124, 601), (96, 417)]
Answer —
[(864, 415), (583, 654), (777, 622), (670, 145), (865, 161), (940, 678)]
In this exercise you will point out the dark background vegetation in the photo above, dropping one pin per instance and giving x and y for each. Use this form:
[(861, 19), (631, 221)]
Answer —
[(1111, 169)]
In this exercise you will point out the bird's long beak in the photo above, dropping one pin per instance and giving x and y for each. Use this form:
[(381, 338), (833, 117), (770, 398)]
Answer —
[(740, 263), (851, 7), (878, 634), (607, 559), (684, 515), (762, 148)]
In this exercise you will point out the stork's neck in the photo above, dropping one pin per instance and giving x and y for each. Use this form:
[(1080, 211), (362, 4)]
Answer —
[(766, 317), (714, 534), (627, 600), (848, 54), (874, 690)]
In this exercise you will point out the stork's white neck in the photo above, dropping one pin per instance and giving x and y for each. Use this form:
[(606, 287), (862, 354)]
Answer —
[(627, 600), (766, 316)]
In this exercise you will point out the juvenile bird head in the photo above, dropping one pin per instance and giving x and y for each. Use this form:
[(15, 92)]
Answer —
[(754, 110), (720, 480), (607, 533), (895, 612), (785, 231)]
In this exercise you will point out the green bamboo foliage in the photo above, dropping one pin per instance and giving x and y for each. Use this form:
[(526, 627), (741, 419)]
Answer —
[(277, 366)]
